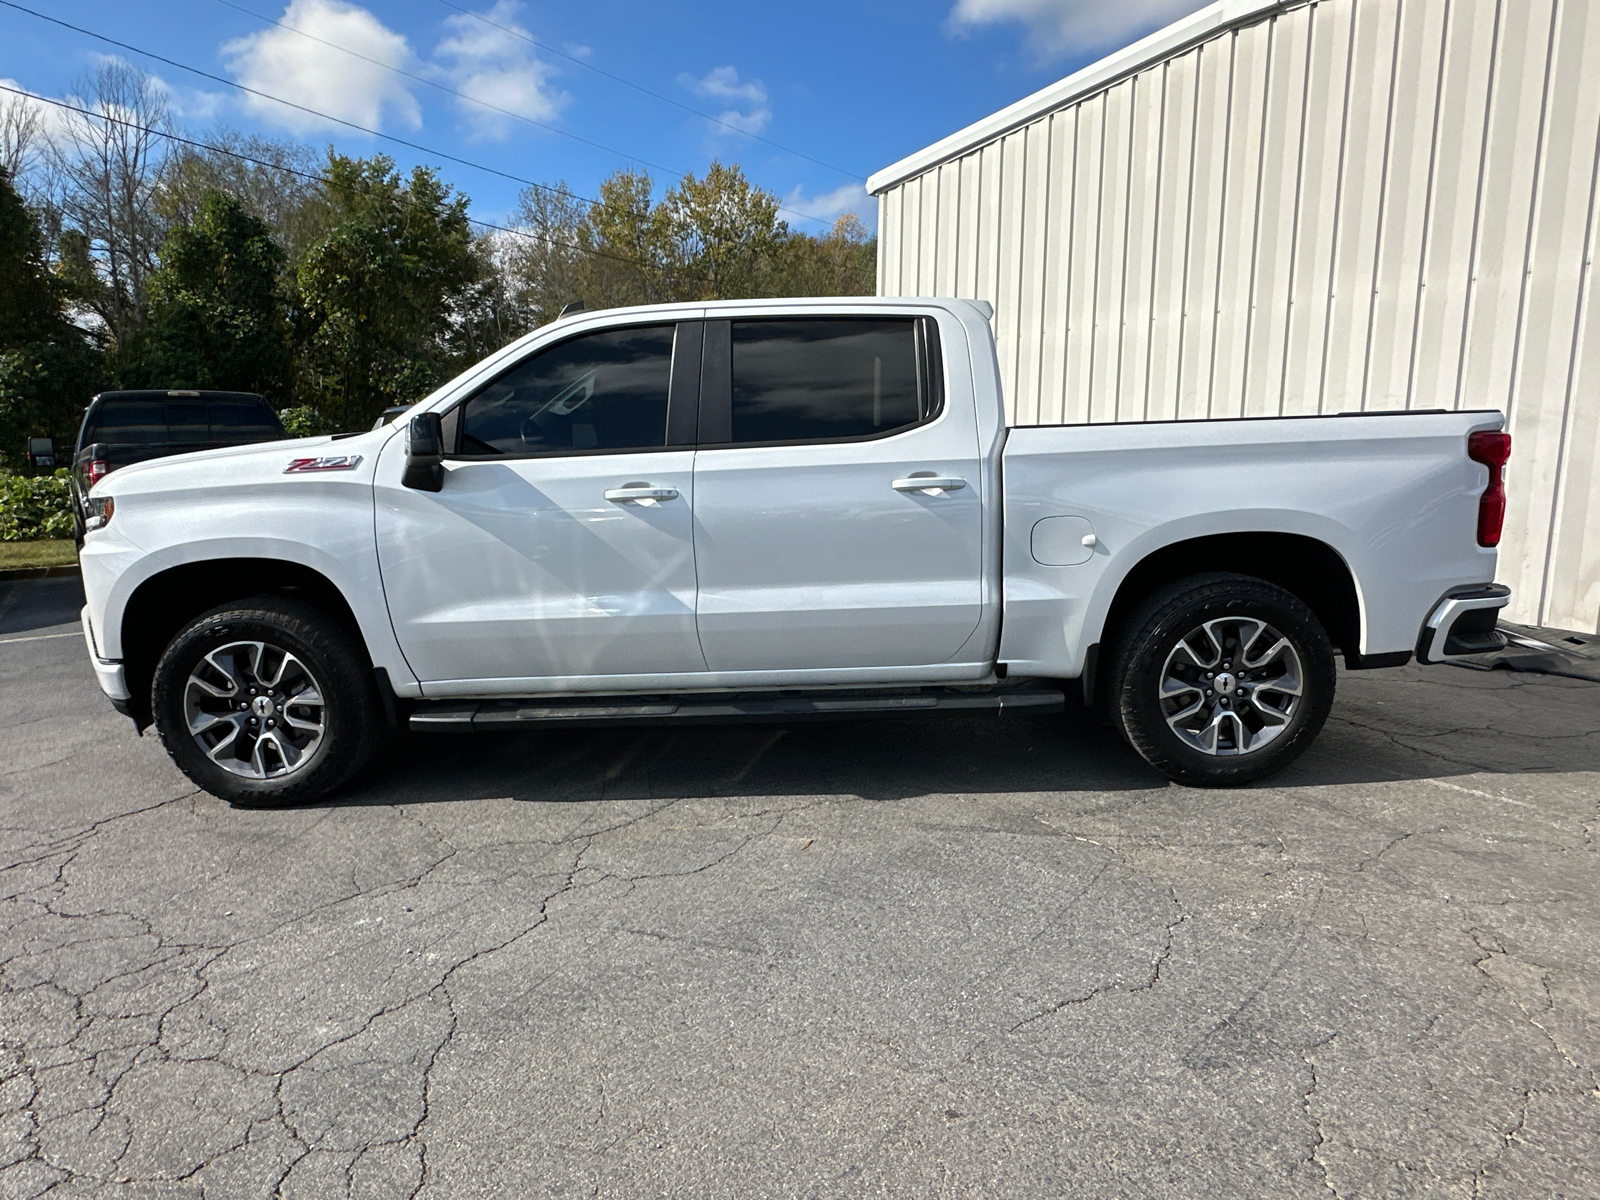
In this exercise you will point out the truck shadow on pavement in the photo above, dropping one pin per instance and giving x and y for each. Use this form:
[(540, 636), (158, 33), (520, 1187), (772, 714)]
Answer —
[(29, 604), (1400, 724)]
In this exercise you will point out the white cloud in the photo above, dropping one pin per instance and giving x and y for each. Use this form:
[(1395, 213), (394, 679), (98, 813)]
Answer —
[(280, 62), (497, 67), (49, 121), (1058, 27), (723, 84), (830, 206)]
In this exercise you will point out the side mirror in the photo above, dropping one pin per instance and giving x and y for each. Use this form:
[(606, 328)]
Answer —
[(424, 454), (41, 453)]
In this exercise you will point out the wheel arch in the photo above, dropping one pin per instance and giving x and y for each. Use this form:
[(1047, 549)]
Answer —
[(1305, 566), (167, 601)]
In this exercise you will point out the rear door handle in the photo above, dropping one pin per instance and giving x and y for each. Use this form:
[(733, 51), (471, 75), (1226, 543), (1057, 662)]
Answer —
[(929, 483), (640, 491)]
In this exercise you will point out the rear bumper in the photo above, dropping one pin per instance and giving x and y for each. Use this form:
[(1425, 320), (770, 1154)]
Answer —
[(113, 682), (1464, 622)]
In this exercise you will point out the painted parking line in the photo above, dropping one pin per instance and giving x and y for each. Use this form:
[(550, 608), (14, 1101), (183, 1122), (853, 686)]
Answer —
[(42, 637)]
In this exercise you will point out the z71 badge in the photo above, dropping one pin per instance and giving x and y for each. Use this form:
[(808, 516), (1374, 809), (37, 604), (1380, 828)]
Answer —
[(338, 462)]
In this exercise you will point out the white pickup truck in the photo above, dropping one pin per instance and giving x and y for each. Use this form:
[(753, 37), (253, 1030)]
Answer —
[(778, 511)]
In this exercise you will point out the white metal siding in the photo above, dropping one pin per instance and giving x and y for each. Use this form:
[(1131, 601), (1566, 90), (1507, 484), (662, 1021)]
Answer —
[(1350, 205)]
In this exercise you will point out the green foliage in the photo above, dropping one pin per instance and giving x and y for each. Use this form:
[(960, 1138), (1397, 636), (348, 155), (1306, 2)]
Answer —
[(216, 320), (844, 263), (716, 237), (725, 233), (34, 509), (303, 421), (336, 288), (275, 180), (48, 368), (382, 294)]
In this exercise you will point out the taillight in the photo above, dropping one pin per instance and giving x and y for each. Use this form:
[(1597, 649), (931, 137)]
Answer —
[(1492, 450), (96, 471)]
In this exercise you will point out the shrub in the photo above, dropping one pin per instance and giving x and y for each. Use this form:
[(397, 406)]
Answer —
[(303, 421), (33, 509)]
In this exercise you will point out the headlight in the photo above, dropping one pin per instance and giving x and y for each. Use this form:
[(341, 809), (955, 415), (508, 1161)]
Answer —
[(100, 510)]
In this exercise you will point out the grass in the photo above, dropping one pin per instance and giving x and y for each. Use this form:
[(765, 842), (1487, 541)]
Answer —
[(54, 553)]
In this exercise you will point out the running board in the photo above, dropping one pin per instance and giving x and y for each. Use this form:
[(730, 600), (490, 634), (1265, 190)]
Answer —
[(457, 716)]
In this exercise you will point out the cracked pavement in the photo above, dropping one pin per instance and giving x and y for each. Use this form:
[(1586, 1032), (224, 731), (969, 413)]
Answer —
[(959, 957)]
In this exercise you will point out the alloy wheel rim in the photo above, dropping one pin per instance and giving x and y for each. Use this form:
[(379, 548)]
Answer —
[(255, 710), (1231, 686)]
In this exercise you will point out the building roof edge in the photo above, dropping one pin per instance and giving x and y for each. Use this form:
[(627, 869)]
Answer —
[(1163, 43)]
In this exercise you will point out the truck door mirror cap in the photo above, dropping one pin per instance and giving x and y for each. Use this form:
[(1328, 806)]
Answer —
[(424, 453)]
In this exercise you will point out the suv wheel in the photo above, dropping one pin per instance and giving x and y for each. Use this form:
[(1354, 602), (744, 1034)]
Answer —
[(1221, 679), (266, 702)]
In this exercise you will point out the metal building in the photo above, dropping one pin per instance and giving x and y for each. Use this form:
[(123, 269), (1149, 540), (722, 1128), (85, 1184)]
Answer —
[(1311, 206)]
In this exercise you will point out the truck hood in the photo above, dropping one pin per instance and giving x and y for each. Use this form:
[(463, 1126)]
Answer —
[(216, 467)]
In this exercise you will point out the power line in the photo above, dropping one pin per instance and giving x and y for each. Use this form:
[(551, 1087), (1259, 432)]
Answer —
[(433, 83), (389, 137), (640, 88), (465, 162), (316, 178)]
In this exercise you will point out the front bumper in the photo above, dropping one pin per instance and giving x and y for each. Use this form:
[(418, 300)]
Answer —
[(113, 682), (1464, 623)]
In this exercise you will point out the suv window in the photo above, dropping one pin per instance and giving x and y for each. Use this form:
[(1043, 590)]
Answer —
[(811, 380), (602, 391)]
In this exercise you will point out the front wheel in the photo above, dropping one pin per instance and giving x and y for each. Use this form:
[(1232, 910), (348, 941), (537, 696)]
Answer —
[(1221, 679), (266, 702)]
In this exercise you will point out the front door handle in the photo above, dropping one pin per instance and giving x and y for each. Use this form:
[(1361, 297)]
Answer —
[(929, 483), (640, 491)]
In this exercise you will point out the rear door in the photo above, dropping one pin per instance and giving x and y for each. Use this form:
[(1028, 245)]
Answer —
[(838, 513)]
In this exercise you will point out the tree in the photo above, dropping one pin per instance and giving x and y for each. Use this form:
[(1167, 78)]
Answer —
[(386, 295), (544, 263), (625, 241), (278, 181), (726, 235), (48, 369), (844, 263), (109, 165), (711, 238), (216, 318)]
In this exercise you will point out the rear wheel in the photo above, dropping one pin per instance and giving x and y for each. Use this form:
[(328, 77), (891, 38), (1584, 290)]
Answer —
[(1221, 679), (266, 702)]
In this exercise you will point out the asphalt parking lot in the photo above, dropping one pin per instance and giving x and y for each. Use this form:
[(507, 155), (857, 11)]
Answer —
[(898, 958)]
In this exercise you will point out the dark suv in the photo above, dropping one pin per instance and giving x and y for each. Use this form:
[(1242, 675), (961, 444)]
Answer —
[(121, 428)]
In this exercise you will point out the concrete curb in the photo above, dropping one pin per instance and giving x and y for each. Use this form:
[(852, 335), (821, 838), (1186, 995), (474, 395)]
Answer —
[(39, 573)]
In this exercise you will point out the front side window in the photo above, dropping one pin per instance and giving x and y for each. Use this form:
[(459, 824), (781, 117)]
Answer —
[(603, 391), (814, 380)]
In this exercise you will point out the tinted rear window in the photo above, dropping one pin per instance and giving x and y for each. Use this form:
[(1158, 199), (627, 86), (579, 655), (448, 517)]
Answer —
[(812, 380), (129, 423), (239, 423), (182, 423)]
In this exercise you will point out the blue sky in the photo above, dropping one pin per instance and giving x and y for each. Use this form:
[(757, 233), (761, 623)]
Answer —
[(854, 86)]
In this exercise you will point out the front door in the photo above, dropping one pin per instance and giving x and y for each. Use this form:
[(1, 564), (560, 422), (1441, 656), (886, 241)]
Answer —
[(838, 510), (561, 544)]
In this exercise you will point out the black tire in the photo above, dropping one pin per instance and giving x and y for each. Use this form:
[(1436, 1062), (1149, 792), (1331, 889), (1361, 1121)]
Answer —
[(326, 654), (1215, 613)]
